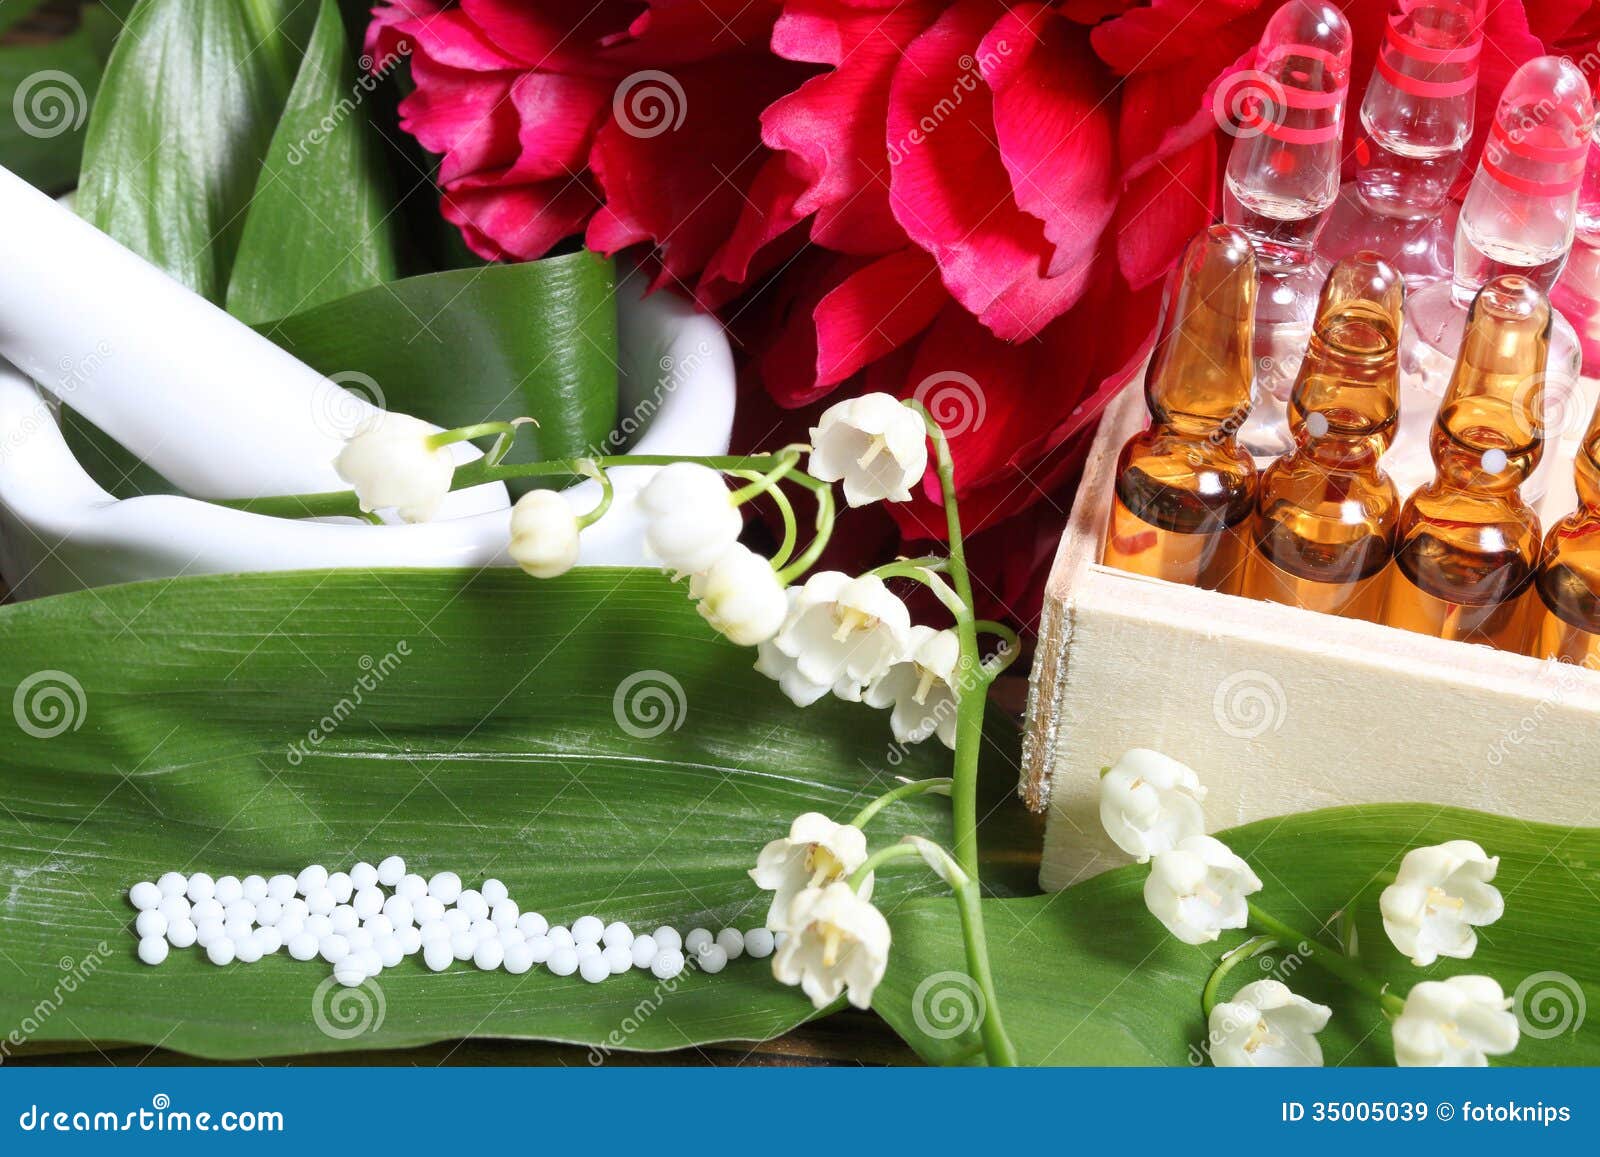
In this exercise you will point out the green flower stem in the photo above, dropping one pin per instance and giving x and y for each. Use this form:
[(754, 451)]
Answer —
[(506, 430), (780, 499), (819, 541), (1330, 959), (764, 482), (607, 493), (1249, 950), (884, 855), (910, 567), (939, 785)]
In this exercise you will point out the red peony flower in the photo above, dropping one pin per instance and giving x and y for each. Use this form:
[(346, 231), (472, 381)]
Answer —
[(963, 201)]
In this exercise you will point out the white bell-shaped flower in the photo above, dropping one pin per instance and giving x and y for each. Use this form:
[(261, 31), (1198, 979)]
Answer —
[(741, 597), (784, 671), (921, 689), (1459, 1022), (1439, 894), (874, 444), (837, 942), (389, 463), (1266, 1025), (817, 852), (1198, 888), (690, 519), (1148, 803), (544, 534), (844, 629)]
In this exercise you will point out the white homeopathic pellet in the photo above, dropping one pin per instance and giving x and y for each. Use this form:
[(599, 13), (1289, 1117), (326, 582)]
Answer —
[(181, 934), (758, 943), (363, 875), (540, 947), (667, 964), (144, 895), (349, 973), (152, 949), (618, 958), (255, 888), (312, 878), (269, 940), (246, 950), (698, 940), (518, 958), (368, 903), (667, 937), (445, 887), (220, 951), (175, 908), (344, 919), (505, 914), (593, 967), (437, 956), (563, 961), (587, 930), (389, 950), (342, 887), (411, 887), (464, 945), (151, 923), (488, 955), (561, 937), (208, 932), (229, 890), (303, 947), (333, 948), (268, 911), (201, 887), (319, 902), (494, 891), (397, 910), (531, 924), (643, 950), (425, 909), (471, 902), (731, 941), (173, 883), (617, 933), (712, 959), (280, 888), (391, 870)]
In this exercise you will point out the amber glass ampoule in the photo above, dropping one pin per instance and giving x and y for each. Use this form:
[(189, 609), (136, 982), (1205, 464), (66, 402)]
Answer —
[(1568, 615), (1468, 546), (1184, 489), (1325, 515)]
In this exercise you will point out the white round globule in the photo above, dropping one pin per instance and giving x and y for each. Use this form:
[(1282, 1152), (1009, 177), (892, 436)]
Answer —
[(426, 910), (731, 941), (333, 948), (268, 911), (255, 888), (411, 887), (561, 937), (483, 930), (505, 914), (220, 951), (618, 958), (269, 940), (237, 930), (698, 940), (464, 945), (181, 933), (617, 933), (593, 967), (208, 932), (433, 931), (410, 940), (229, 890), (587, 930), (208, 909), (445, 887), (303, 946), (457, 921), (294, 908), (173, 883), (175, 908), (369, 960), (488, 955), (437, 956), (667, 937), (358, 938), (349, 973), (518, 958), (363, 875), (712, 959), (342, 887), (512, 935), (280, 888), (344, 919), (201, 887), (289, 929), (398, 911), (563, 961), (642, 951), (389, 950), (495, 892), (391, 870), (320, 902), (150, 923), (145, 895), (319, 926), (473, 904), (368, 903), (667, 964), (758, 943), (313, 878), (778, 938), (152, 949), (531, 924), (240, 912), (585, 951), (246, 950), (539, 948), (380, 926)]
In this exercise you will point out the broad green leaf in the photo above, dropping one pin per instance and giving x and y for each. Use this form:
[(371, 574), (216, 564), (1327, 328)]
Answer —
[(46, 90), (175, 143), (586, 739), (325, 185), (1089, 977), (537, 339)]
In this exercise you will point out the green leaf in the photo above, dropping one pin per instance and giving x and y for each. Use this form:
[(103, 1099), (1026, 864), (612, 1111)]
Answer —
[(467, 721), (53, 85), (325, 185), (175, 143), (1089, 977), (14, 12), (537, 339)]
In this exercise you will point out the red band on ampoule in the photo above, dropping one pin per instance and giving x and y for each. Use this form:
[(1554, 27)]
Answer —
[(1520, 145), (1290, 135), (1421, 87), (1464, 53)]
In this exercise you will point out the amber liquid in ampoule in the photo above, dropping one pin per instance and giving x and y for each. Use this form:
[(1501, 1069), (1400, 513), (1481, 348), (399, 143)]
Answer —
[(1325, 513), (1568, 583), (1468, 546), (1184, 489)]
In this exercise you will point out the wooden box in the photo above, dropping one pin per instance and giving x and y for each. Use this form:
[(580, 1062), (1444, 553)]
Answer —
[(1278, 709)]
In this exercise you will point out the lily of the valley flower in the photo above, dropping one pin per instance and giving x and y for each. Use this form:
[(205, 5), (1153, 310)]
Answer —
[(845, 629), (921, 688), (1198, 888), (1438, 895), (690, 519), (1266, 1025), (544, 534), (875, 444), (837, 942), (816, 853), (741, 597), (389, 463), (1148, 803), (1457, 1022)]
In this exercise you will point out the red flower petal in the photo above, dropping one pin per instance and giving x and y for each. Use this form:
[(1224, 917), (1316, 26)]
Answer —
[(1162, 209), (467, 117), (769, 213), (874, 311), (521, 222)]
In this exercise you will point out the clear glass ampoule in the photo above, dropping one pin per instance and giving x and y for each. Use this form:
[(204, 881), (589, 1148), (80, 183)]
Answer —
[(1468, 545), (1325, 516), (1568, 614), (1518, 217), (1414, 125), (1184, 489), (1577, 294), (1282, 178)]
